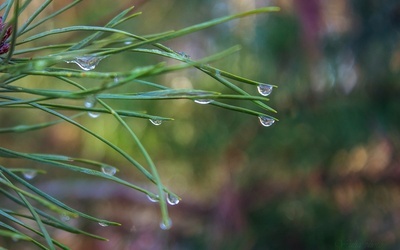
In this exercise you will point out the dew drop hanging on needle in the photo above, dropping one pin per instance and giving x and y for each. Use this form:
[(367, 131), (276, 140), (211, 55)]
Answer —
[(65, 218), (266, 121), (108, 170), (29, 174), (153, 198), (93, 114), (264, 89), (203, 101), (156, 122), (86, 62), (165, 225), (172, 199), (90, 102)]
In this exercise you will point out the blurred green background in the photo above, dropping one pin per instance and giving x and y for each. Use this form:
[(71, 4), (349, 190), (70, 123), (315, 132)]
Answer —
[(326, 176)]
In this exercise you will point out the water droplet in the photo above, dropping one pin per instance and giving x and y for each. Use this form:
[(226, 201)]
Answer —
[(172, 199), (29, 174), (93, 114), (165, 225), (266, 121), (203, 101), (65, 217), (156, 122), (108, 170), (86, 62), (90, 101), (183, 54), (153, 198), (103, 224), (264, 89)]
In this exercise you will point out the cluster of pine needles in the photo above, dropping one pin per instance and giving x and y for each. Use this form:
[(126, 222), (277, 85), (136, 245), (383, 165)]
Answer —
[(21, 58)]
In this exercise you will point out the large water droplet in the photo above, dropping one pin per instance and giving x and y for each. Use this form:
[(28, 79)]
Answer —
[(103, 224), (87, 62), (165, 225), (29, 174), (264, 89), (108, 170), (153, 198), (156, 122), (172, 199), (266, 121), (203, 101)]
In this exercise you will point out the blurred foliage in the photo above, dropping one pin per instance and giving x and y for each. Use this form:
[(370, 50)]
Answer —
[(326, 176)]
